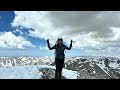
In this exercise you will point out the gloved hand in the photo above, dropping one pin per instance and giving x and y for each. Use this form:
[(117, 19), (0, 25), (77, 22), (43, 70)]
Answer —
[(47, 40), (71, 40)]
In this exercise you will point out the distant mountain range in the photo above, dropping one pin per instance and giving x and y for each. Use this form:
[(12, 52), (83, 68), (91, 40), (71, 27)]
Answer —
[(89, 67)]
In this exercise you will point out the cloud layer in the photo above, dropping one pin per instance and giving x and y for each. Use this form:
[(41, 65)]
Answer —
[(9, 40), (91, 30)]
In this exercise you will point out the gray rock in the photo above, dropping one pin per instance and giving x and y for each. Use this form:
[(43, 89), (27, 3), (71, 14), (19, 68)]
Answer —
[(49, 73)]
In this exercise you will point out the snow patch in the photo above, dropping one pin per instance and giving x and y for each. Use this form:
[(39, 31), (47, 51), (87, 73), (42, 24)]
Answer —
[(94, 71), (20, 72), (31, 72), (70, 74), (114, 65)]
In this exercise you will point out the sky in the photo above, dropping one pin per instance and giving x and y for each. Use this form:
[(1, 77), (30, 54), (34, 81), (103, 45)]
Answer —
[(93, 32)]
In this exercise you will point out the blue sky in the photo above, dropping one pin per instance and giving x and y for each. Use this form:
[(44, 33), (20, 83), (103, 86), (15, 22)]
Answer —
[(25, 32), (6, 18)]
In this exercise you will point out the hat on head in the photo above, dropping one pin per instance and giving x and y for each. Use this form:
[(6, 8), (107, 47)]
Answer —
[(60, 38)]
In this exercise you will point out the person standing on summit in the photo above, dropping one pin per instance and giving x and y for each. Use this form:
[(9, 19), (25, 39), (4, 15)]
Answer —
[(59, 55)]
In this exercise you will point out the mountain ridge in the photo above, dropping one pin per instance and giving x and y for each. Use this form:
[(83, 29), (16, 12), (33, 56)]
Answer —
[(87, 67)]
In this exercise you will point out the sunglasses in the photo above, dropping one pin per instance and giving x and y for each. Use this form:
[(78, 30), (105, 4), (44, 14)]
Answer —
[(60, 40)]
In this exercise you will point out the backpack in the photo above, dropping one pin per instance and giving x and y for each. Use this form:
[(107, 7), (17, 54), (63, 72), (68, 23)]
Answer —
[(59, 56)]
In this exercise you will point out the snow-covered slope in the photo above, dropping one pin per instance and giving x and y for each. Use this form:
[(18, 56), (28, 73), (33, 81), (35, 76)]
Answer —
[(32, 72)]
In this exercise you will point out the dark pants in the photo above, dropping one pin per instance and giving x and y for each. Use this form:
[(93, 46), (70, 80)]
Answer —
[(59, 65)]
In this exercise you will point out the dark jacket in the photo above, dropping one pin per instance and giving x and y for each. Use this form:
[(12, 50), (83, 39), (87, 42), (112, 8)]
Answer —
[(59, 49)]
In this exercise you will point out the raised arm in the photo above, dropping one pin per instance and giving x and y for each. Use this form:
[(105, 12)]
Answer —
[(50, 48), (69, 48)]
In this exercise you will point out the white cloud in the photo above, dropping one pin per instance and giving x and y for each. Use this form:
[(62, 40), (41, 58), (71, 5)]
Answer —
[(89, 29), (43, 48), (9, 40), (17, 30)]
